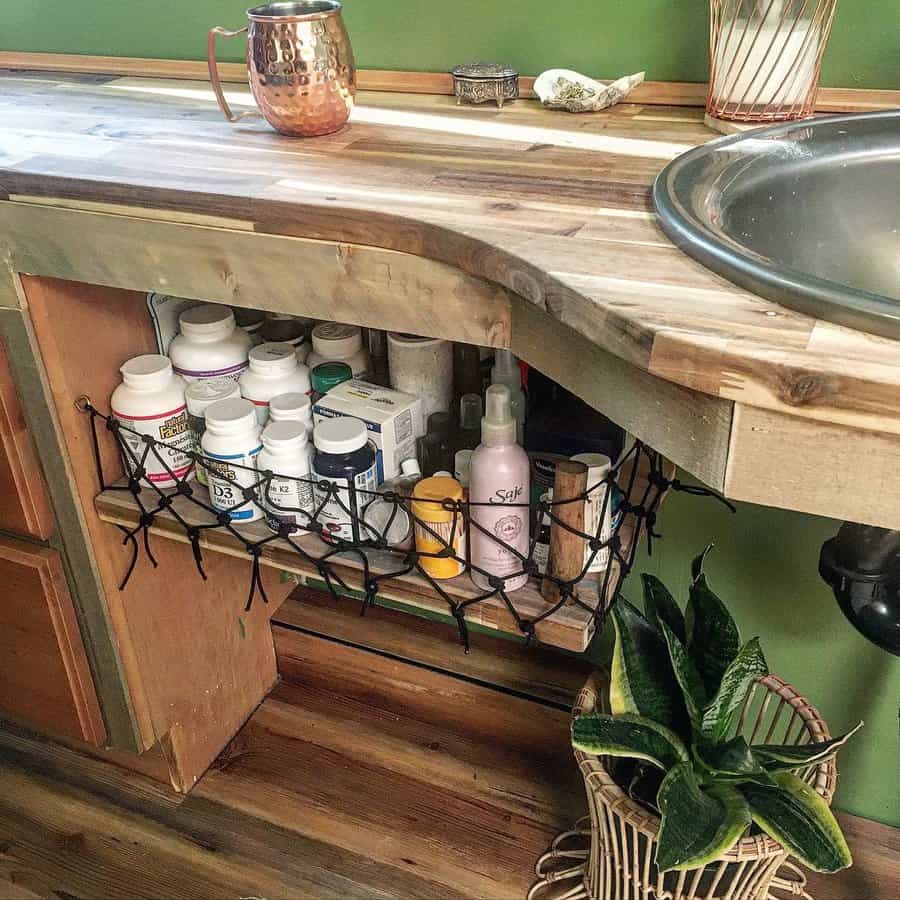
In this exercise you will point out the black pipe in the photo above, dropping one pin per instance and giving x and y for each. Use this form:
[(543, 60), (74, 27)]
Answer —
[(861, 563)]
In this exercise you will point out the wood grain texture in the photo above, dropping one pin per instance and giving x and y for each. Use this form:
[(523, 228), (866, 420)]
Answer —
[(538, 672), (195, 667), (814, 467), (45, 681), (552, 207), (359, 777), (24, 506), (674, 93)]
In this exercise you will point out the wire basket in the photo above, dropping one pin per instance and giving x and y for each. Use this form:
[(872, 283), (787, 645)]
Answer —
[(765, 58), (636, 483), (613, 851)]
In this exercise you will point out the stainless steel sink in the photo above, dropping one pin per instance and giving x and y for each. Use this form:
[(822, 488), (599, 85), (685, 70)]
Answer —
[(806, 214)]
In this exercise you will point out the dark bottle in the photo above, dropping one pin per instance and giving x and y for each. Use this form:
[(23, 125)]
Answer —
[(467, 375), (468, 437)]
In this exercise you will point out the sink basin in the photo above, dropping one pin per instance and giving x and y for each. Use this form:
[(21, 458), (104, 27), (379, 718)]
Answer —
[(806, 214)]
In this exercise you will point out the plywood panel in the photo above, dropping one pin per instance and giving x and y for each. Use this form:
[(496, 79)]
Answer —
[(45, 681), (196, 666), (24, 507)]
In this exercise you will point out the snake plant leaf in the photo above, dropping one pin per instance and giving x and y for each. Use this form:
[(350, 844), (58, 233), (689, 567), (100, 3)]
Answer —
[(698, 562), (786, 757), (800, 820), (641, 681), (746, 667), (733, 762), (660, 606), (712, 635), (697, 824), (627, 735), (686, 674)]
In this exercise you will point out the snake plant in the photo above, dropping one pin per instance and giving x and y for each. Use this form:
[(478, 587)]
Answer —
[(678, 682)]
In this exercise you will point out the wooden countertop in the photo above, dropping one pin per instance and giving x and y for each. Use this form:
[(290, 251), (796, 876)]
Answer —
[(552, 206)]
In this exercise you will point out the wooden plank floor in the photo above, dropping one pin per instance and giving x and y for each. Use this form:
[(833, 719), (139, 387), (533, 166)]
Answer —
[(362, 775)]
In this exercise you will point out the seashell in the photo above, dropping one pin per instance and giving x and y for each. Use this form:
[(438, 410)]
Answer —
[(574, 92)]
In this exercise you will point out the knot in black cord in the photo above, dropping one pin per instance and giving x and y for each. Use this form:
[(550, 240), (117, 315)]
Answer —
[(223, 518), (112, 425), (146, 519), (184, 489), (496, 582)]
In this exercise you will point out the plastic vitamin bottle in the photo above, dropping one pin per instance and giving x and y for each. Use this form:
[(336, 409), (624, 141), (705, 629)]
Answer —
[(198, 396), (285, 453), (343, 455), (150, 400), (295, 408), (231, 444), (210, 345), (499, 491), (273, 370), (341, 343)]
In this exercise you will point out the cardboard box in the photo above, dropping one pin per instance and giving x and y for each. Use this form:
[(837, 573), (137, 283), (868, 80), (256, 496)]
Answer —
[(393, 420)]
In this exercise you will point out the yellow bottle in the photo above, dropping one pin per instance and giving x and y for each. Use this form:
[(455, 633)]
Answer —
[(437, 526)]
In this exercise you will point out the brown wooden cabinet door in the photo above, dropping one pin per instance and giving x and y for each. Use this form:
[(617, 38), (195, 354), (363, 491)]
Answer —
[(23, 497), (45, 681)]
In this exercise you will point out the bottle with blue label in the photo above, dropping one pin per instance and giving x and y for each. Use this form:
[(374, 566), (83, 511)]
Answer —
[(230, 446), (343, 457)]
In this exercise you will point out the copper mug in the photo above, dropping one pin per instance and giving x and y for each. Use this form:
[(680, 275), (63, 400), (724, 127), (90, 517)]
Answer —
[(300, 66)]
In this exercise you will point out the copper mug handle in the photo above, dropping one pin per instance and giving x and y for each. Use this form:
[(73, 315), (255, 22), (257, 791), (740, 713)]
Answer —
[(214, 72)]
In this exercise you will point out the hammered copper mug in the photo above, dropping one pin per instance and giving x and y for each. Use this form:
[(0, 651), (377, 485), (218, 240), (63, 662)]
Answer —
[(299, 64)]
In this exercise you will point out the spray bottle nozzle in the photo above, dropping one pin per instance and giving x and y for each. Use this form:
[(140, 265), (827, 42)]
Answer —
[(498, 425)]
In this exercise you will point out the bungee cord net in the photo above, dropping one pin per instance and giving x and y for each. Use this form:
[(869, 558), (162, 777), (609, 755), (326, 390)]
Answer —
[(631, 495)]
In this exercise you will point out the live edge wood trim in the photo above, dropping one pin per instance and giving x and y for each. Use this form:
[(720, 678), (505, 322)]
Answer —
[(653, 93)]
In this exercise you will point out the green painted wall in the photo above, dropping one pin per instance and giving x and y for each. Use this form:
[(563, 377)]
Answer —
[(764, 566), (765, 562), (668, 38)]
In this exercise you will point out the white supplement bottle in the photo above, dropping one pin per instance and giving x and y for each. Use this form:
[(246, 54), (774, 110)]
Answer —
[(285, 453), (290, 329), (294, 408), (332, 341), (150, 400), (210, 345), (198, 395), (231, 444), (499, 491), (273, 370)]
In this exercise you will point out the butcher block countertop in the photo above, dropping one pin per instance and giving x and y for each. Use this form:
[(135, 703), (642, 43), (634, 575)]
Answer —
[(551, 206)]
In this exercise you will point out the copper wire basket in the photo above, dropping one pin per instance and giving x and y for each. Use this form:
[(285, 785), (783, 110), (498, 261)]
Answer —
[(766, 56)]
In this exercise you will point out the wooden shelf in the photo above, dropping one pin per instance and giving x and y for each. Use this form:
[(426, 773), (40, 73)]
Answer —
[(570, 628)]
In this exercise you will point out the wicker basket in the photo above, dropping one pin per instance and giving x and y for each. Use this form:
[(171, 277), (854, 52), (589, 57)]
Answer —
[(617, 863)]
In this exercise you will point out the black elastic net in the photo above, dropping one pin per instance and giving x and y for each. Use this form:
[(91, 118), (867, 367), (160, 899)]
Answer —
[(632, 492)]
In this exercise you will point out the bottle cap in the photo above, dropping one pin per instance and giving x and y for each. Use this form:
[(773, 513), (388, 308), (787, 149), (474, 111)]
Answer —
[(248, 319), (273, 358), (287, 407), (206, 320), (440, 423), (343, 435), (498, 427), (278, 436), (410, 467), (150, 372), (231, 416), (279, 327), (462, 463), (470, 412), (202, 393), (598, 466), (506, 370), (428, 495), (336, 341), (327, 375)]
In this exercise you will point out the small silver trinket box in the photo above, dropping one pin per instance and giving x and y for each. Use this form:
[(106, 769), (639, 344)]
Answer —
[(482, 82)]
